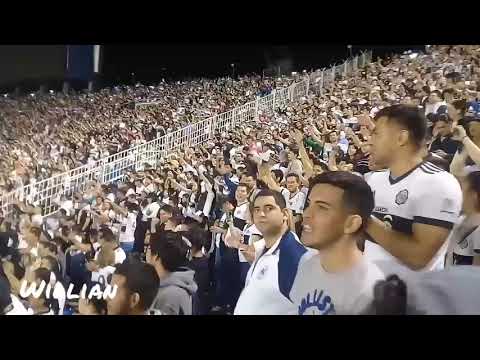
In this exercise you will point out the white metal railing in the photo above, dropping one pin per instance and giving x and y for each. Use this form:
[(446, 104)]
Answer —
[(46, 193)]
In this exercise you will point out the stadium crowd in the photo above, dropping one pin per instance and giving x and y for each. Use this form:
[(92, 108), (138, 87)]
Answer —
[(45, 135), (364, 199)]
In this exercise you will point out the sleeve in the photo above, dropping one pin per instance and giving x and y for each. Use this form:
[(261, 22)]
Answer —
[(439, 203), (301, 202), (475, 240), (285, 193), (208, 203)]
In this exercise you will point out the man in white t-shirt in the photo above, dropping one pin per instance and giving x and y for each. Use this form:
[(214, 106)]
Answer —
[(338, 279), (416, 202)]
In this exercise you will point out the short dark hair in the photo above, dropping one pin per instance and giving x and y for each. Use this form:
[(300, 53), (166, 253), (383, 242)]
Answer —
[(409, 117), (473, 179), (279, 199), (167, 208), (51, 246), (250, 174), (100, 305), (357, 194), (278, 173), (243, 185), (293, 175), (197, 236), (460, 105), (448, 91), (141, 278), (107, 234), (177, 219), (171, 250), (35, 231)]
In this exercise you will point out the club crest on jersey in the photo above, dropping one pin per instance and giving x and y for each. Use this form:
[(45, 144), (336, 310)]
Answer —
[(401, 197), (262, 273)]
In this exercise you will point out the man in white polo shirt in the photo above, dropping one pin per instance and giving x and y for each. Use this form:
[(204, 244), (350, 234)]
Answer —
[(272, 274)]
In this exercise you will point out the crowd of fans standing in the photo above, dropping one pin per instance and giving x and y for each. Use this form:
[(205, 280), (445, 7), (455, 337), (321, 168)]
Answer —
[(361, 200)]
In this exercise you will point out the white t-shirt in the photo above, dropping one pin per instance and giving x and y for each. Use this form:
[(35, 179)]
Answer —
[(433, 108), (130, 223), (317, 292), (102, 274), (150, 211), (424, 195), (296, 202)]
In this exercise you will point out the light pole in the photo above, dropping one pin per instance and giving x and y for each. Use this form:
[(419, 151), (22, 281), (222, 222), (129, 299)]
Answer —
[(349, 47)]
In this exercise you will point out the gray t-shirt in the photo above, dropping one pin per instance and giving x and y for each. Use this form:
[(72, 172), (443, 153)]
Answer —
[(317, 292)]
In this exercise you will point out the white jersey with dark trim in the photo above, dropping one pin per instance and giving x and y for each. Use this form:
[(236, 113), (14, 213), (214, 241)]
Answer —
[(424, 195)]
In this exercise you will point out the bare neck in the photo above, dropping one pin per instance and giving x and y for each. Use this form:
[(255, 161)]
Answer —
[(404, 164), (341, 256), (271, 239)]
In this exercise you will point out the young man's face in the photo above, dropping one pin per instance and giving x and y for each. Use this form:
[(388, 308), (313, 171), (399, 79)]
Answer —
[(164, 216), (442, 128), (324, 217), (267, 215), (333, 137), (241, 194), (227, 207), (292, 184), (382, 142), (434, 98), (124, 301), (249, 180)]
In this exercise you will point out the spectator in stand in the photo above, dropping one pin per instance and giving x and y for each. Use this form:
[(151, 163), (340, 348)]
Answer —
[(202, 299), (412, 236), (338, 280), (322, 132), (442, 143), (137, 286), (177, 286)]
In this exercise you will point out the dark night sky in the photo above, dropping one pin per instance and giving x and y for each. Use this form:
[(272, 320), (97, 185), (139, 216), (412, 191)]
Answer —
[(42, 62)]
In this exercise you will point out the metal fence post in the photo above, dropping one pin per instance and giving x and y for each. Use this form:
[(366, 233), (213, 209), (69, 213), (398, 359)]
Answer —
[(321, 82), (333, 75), (257, 104)]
